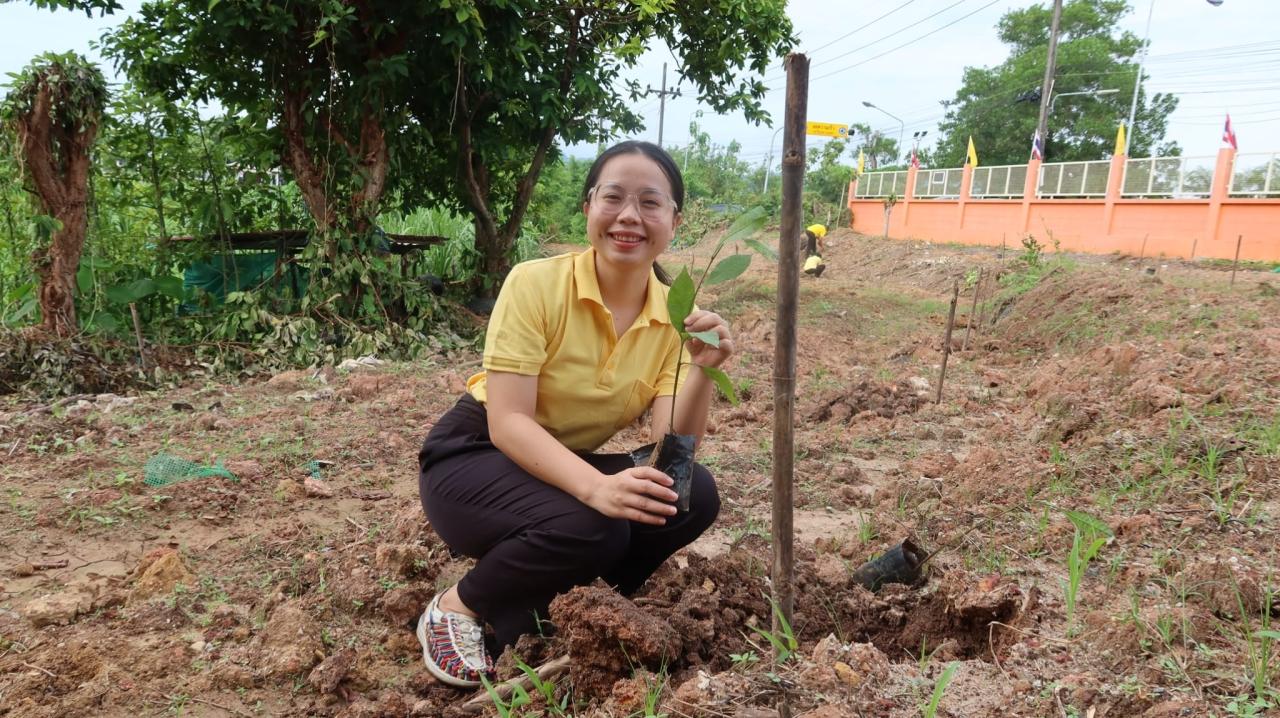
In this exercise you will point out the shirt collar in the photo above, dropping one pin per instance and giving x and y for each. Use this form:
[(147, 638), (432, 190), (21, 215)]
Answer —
[(584, 276)]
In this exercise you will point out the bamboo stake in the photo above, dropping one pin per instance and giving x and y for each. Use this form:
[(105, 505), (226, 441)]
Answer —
[(137, 333), (784, 356), (1235, 262), (968, 322), (946, 342)]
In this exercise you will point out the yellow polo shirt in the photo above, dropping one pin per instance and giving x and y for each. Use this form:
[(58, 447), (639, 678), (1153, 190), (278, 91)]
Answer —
[(550, 322)]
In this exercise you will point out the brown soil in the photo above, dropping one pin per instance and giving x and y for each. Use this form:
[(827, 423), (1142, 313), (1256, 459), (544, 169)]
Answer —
[(1146, 401)]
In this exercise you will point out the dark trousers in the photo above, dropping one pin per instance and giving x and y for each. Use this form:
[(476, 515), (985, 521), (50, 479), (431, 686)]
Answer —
[(532, 540)]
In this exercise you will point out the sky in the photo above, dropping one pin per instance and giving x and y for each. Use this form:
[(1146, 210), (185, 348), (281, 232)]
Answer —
[(904, 56)]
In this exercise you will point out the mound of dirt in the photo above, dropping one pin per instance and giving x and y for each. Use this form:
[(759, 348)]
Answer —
[(862, 400)]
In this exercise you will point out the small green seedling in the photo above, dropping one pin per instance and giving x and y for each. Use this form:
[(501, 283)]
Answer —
[(1089, 538), (939, 688), (784, 642), (683, 294)]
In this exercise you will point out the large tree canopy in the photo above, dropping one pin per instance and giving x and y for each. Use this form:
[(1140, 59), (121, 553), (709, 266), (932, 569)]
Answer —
[(999, 106), (459, 102)]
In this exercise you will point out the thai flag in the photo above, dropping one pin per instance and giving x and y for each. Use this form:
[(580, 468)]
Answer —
[(1037, 147), (1229, 135)]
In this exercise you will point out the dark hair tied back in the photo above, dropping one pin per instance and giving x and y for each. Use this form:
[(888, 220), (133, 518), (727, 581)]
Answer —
[(664, 162)]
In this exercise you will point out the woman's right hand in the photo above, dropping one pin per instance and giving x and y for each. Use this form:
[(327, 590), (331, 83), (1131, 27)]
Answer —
[(636, 494)]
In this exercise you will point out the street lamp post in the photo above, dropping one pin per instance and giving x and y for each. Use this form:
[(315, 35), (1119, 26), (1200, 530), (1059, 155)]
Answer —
[(1137, 81), (768, 162), (901, 125)]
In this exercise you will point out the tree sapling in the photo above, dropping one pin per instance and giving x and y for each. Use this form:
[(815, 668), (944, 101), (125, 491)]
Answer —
[(673, 453)]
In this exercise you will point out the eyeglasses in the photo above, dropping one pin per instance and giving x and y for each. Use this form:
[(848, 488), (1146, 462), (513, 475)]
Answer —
[(612, 198)]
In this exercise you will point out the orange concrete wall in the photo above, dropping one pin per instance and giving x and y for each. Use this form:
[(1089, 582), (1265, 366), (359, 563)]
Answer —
[(1169, 227)]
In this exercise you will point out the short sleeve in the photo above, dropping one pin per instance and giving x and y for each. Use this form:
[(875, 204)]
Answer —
[(516, 339), (666, 379)]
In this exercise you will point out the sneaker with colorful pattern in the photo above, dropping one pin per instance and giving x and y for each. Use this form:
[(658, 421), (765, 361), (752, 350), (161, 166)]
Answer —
[(453, 646)]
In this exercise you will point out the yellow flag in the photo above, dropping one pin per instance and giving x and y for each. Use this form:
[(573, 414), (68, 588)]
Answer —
[(972, 158), (862, 161), (1120, 140)]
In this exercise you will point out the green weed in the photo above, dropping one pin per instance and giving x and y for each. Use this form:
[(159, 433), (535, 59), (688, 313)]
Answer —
[(1089, 537), (930, 710)]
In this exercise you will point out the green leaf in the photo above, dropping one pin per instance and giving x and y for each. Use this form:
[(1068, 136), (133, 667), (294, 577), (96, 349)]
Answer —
[(707, 337), (747, 224), (730, 267), (84, 279), (722, 383), (131, 291), (1088, 525), (1274, 635), (169, 286), (680, 300), (762, 248), (213, 4)]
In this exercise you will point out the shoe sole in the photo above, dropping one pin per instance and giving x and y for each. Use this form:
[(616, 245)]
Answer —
[(432, 668)]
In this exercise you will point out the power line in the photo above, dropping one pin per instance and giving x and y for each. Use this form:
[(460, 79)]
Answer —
[(909, 42), (861, 28), (878, 40)]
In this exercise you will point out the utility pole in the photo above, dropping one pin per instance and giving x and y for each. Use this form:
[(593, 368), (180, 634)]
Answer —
[(662, 101), (1046, 88)]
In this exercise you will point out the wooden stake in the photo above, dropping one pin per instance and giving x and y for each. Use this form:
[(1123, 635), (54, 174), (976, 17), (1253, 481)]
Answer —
[(545, 672), (946, 342), (137, 333), (968, 322), (1236, 261), (1142, 252), (1193, 248), (982, 312), (784, 355), (1003, 235)]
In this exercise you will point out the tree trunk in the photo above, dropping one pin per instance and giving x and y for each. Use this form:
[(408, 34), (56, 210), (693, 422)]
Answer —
[(56, 266), (58, 163), (297, 156)]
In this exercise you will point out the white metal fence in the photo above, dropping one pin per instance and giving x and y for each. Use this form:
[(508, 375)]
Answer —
[(1073, 179), (882, 184), (999, 181), (1172, 177), (939, 183), (1256, 175)]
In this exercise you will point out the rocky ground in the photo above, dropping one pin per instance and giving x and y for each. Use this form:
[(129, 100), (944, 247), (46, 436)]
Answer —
[(1096, 402)]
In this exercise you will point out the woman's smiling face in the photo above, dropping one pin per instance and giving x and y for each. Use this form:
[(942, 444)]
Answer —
[(631, 218)]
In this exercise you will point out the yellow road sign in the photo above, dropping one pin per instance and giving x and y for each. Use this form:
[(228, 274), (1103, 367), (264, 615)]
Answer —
[(826, 129)]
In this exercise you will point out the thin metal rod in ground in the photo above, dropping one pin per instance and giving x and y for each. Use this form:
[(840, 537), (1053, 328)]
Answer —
[(946, 341), (968, 321), (1236, 261), (546, 672), (784, 356)]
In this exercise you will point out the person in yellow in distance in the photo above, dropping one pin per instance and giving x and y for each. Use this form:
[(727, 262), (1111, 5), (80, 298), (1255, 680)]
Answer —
[(577, 348), (813, 247)]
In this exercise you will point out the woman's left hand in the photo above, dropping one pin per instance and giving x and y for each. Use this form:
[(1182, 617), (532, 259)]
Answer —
[(700, 352)]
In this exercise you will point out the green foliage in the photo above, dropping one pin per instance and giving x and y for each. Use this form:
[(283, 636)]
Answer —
[(683, 294), (999, 106), (783, 642), (77, 91), (939, 688), (1088, 539)]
